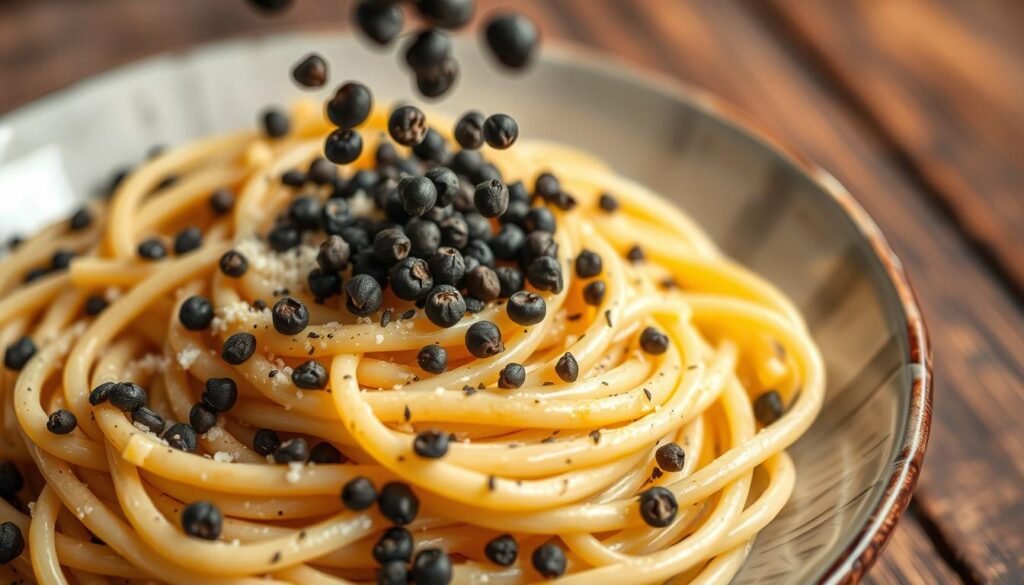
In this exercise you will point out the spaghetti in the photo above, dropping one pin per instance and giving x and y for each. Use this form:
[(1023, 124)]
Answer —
[(558, 468)]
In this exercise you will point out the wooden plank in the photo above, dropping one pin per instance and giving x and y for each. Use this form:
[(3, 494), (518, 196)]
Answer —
[(910, 558), (943, 80), (716, 45), (973, 487)]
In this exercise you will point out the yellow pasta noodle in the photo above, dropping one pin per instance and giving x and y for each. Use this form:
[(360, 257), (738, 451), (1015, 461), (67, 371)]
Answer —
[(551, 462)]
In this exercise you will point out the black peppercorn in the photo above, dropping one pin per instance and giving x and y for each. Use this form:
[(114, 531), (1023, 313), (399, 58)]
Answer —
[(483, 283), (310, 72), (61, 259), (398, 503), (238, 348), (447, 13), (324, 453), (310, 375), (12, 543), (433, 359), (265, 442), (94, 305), (343, 146), (393, 573), (182, 437), (635, 254), (510, 279), (364, 295), (549, 560), (275, 123), (391, 245), (19, 353), (424, 236), (434, 147), (334, 254), (567, 368), (290, 316), (350, 106), (80, 220), (433, 82), (427, 48), (547, 186), (653, 341), (512, 38), (292, 451), (446, 185), (221, 201), (469, 130), (284, 237), (508, 243), (607, 203), (670, 457), (431, 567), (271, 6), (411, 279), (480, 251), (233, 264), (593, 293), (61, 422), (447, 266), (294, 178), (658, 507), (304, 212), (768, 407), (380, 21), (202, 520), (432, 444), (588, 264), (538, 243), (221, 394), (187, 240), (335, 217), (358, 494), (545, 273), (512, 376), (526, 308), (149, 419), (196, 313), (417, 194), (539, 219), (323, 285), (322, 171), (454, 231), (478, 227), (152, 249), (502, 550), (201, 418), (491, 198), (395, 544), (127, 396), (445, 306), (99, 394), (500, 131), (483, 339), (407, 125)]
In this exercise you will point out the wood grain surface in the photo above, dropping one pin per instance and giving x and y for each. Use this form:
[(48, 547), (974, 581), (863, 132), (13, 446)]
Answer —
[(941, 80), (872, 90)]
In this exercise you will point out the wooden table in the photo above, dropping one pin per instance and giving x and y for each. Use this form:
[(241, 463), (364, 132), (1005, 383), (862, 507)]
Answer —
[(916, 105)]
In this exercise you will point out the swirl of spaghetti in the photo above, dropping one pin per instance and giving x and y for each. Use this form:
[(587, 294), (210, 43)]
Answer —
[(635, 433)]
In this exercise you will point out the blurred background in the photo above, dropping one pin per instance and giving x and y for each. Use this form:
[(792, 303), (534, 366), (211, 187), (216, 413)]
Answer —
[(915, 105)]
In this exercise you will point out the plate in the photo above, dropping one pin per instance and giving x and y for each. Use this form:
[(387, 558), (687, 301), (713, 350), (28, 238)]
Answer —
[(767, 207)]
